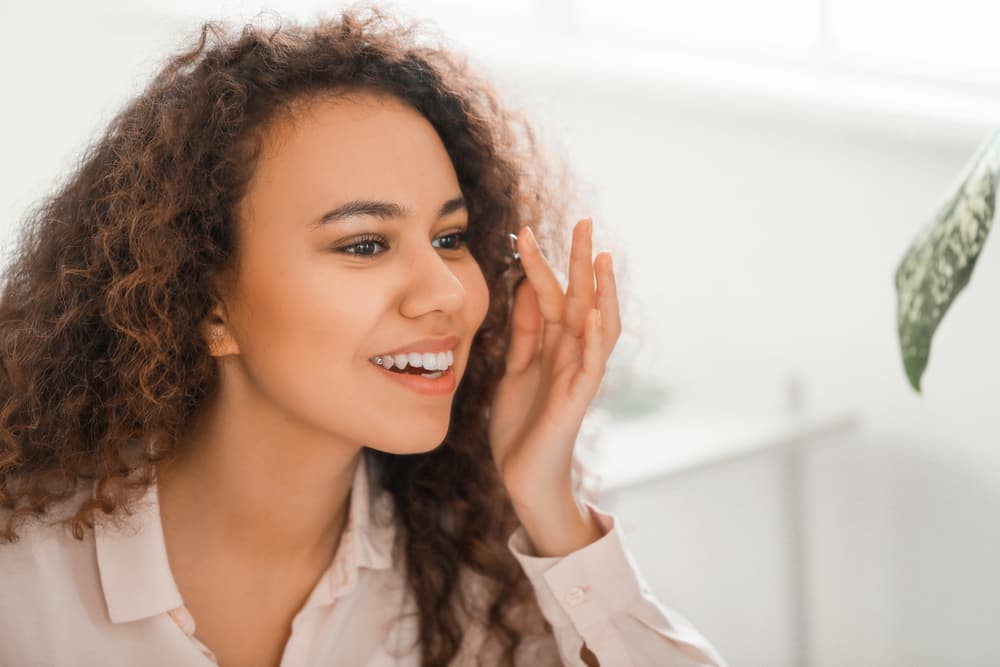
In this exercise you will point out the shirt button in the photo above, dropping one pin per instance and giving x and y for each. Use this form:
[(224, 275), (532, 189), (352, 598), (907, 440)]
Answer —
[(575, 596)]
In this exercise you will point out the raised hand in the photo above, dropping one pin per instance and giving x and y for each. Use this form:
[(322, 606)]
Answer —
[(558, 354)]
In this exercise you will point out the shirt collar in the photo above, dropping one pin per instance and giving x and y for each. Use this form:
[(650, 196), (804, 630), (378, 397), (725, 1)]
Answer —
[(137, 581), (132, 561), (372, 521)]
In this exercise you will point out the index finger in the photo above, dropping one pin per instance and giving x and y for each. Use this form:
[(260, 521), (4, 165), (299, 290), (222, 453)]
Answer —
[(542, 277)]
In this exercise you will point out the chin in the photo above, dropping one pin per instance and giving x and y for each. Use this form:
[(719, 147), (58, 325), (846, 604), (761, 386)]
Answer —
[(418, 439), (410, 447), (410, 432)]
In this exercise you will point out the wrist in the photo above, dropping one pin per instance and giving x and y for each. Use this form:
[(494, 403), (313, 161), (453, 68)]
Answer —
[(560, 526)]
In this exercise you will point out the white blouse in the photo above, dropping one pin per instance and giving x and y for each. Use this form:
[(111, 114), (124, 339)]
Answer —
[(111, 600)]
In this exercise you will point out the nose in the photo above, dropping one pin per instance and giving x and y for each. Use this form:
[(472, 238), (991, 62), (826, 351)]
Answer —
[(432, 284)]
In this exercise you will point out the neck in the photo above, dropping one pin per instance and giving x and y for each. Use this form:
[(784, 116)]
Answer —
[(247, 487)]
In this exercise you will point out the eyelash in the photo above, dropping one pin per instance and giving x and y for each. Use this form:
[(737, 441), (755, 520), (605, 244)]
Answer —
[(461, 235)]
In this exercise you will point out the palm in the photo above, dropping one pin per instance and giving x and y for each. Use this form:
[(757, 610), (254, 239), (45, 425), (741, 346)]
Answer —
[(524, 419)]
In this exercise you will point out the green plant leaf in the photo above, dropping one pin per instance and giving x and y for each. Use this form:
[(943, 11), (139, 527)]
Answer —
[(939, 262)]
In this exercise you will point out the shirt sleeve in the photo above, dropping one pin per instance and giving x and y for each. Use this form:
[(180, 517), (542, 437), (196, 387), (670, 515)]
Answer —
[(597, 596)]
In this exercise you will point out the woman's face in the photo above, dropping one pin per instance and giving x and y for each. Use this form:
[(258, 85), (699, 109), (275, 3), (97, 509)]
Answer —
[(315, 301)]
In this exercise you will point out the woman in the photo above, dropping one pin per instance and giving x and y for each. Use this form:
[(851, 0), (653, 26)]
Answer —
[(267, 358)]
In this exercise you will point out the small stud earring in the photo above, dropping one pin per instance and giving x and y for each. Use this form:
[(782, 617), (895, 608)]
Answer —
[(216, 340)]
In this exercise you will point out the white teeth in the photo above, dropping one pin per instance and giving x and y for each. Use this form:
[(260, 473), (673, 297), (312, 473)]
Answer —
[(430, 361)]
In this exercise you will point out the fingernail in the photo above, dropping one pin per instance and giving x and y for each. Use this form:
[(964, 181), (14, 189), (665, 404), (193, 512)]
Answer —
[(531, 235)]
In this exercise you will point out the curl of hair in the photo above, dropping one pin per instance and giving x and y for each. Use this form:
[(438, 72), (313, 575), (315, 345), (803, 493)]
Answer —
[(101, 305)]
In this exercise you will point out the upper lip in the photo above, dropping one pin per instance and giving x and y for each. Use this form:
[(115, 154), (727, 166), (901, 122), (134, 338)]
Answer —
[(427, 345)]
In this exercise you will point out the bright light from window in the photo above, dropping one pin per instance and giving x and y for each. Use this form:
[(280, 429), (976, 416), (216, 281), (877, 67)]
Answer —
[(957, 32), (767, 23)]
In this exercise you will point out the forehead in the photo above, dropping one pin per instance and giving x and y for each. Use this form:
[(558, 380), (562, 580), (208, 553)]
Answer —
[(352, 134), (325, 151)]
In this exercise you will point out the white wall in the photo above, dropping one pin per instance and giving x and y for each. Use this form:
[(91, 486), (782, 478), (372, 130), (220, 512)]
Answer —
[(772, 251), (764, 238)]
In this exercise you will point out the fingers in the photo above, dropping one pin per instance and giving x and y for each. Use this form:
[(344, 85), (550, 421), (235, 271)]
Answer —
[(569, 312), (580, 291), (543, 279), (526, 328)]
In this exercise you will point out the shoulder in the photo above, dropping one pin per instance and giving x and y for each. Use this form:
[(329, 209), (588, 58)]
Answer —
[(53, 609), (44, 562)]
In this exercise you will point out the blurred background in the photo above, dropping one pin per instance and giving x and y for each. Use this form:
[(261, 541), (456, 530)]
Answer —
[(758, 168)]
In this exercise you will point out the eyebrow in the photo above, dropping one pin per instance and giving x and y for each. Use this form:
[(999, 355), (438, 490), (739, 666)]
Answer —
[(382, 210)]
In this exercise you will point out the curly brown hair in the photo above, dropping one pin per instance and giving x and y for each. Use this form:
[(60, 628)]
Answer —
[(100, 310)]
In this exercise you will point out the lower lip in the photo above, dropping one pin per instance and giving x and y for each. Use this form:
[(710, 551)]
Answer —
[(437, 387)]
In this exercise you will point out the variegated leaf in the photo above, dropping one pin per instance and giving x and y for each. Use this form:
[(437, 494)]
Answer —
[(939, 262)]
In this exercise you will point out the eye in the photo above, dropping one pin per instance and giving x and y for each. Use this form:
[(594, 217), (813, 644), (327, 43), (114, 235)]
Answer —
[(459, 239), (362, 244)]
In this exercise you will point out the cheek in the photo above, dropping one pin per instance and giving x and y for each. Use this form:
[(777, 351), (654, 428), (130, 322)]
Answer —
[(300, 333), (347, 316), (322, 316)]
